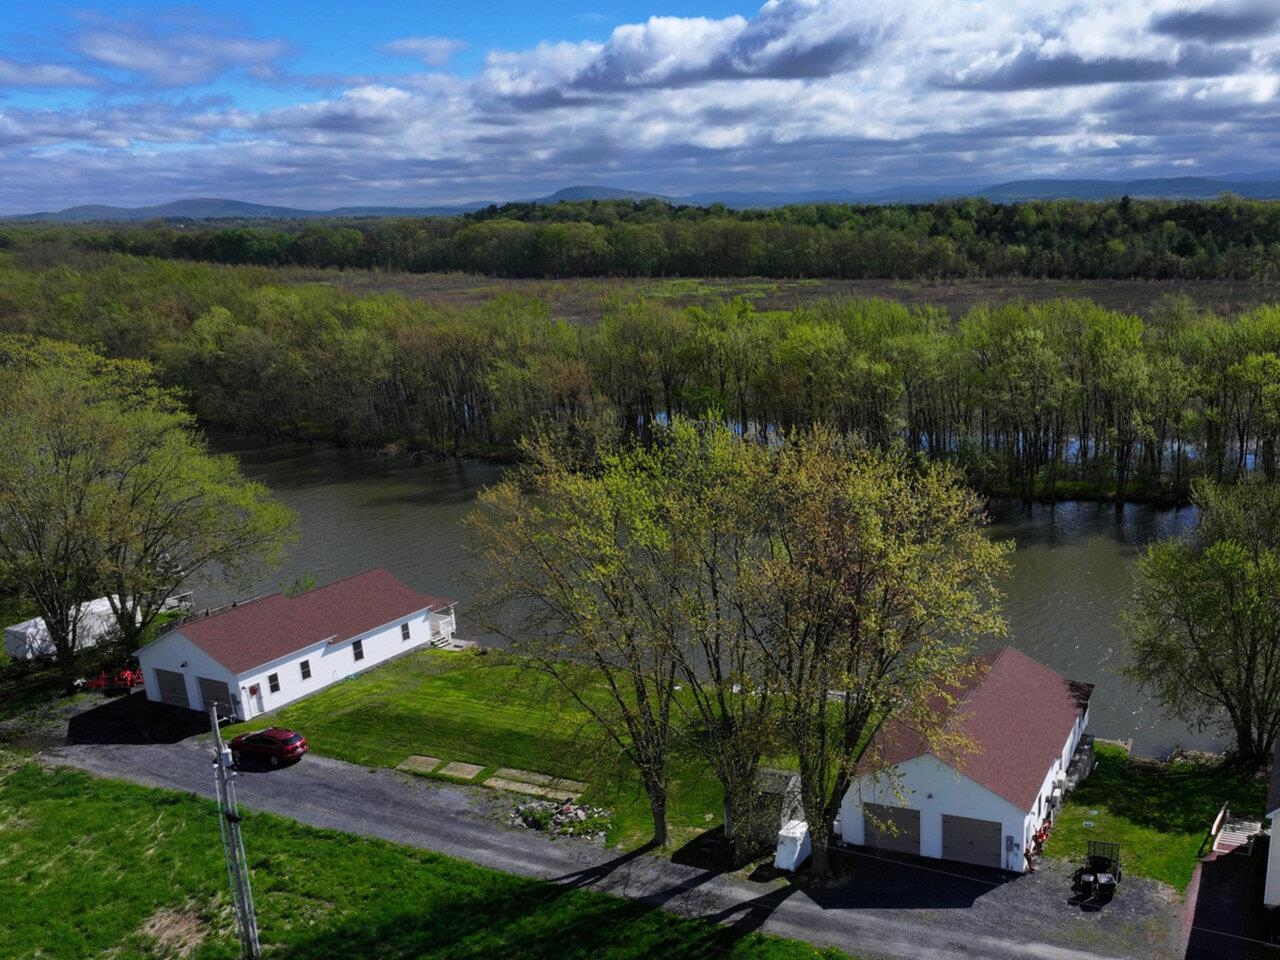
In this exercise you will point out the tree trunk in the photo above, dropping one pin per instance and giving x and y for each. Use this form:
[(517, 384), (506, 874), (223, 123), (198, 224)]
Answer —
[(658, 807), (821, 859)]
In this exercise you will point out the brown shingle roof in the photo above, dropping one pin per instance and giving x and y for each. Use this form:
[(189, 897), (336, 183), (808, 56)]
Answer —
[(1015, 713), (263, 630)]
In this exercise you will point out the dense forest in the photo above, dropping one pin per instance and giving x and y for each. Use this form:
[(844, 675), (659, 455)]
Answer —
[(1050, 399), (1154, 239)]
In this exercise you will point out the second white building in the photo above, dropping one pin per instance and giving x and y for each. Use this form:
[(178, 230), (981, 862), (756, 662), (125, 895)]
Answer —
[(265, 653)]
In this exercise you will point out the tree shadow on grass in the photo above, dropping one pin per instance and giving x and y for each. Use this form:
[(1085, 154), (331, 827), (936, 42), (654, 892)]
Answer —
[(1180, 798), (535, 921)]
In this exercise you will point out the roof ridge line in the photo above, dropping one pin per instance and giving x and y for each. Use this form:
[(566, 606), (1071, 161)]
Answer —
[(334, 583)]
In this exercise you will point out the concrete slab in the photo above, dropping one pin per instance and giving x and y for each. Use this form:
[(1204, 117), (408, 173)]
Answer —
[(540, 779), (530, 789), (463, 771), (417, 764)]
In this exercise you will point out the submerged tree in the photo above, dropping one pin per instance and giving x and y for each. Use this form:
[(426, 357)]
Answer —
[(1205, 627)]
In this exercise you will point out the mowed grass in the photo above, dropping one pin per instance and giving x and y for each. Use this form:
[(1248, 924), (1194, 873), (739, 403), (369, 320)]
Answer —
[(496, 711), (92, 867), (1160, 814)]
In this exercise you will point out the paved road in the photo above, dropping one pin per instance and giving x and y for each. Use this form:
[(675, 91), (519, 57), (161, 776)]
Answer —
[(895, 911)]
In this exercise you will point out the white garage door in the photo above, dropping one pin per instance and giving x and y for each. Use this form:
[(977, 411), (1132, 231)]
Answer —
[(173, 688), (971, 841)]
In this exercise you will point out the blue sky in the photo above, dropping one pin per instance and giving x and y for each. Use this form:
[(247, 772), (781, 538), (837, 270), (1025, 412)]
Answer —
[(323, 104)]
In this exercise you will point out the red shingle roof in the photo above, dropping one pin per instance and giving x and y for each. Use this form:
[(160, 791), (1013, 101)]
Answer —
[(260, 631), (1016, 714)]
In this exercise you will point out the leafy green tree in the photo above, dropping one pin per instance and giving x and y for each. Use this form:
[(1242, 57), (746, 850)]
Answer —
[(105, 487), (880, 580), (1205, 626)]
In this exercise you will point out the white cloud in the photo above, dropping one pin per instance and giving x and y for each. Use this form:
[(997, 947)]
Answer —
[(804, 93), (433, 51)]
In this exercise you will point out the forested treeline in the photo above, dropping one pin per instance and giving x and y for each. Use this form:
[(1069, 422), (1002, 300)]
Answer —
[(1156, 239), (1056, 399)]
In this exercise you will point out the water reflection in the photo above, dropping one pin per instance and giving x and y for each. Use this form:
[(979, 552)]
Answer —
[(1072, 574)]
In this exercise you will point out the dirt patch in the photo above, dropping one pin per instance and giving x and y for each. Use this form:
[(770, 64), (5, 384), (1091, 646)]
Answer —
[(176, 933)]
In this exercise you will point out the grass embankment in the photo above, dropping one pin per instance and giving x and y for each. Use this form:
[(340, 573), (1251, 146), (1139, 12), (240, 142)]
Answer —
[(1159, 813), (94, 867), (495, 711)]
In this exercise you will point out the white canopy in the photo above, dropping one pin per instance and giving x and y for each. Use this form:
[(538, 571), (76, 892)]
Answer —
[(29, 639)]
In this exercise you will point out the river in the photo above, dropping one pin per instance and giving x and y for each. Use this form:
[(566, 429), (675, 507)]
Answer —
[(1071, 577)]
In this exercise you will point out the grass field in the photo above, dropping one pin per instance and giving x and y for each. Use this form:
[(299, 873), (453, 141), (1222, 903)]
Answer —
[(97, 868), (1159, 813), (497, 712)]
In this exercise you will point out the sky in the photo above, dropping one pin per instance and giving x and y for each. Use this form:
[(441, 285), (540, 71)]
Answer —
[(324, 104)]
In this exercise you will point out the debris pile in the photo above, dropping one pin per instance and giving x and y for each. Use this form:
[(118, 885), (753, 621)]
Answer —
[(562, 819)]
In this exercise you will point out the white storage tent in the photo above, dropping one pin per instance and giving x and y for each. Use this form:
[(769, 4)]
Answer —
[(30, 639)]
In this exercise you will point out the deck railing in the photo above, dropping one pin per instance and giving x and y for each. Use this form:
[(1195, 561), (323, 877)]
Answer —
[(202, 615)]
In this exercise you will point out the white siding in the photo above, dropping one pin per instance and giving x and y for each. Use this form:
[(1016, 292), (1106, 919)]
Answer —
[(930, 786), (1271, 892), (926, 784), (176, 652), (329, 662)]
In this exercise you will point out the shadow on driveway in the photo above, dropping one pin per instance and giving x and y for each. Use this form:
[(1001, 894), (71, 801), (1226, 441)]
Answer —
[(870, 880), (135, 719), (1229, 921)]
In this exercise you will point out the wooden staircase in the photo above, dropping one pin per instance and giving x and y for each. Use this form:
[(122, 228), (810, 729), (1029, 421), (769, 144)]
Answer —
[(1235, 834)]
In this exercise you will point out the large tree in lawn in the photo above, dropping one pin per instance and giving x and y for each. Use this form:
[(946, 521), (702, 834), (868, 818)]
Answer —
[(106, 487), (630, 569), (564, 578), (881, 579), (1205, 626)]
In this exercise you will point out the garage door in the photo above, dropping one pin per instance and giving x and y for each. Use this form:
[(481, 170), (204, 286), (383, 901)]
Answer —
[(903, 836), (972, 841), (173, 688), (212, 691)]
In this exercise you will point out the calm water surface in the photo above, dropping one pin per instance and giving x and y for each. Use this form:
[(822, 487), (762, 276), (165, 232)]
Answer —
[(1072, 573)]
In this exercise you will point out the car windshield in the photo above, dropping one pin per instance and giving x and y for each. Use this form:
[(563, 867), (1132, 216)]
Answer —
[(290, 741)]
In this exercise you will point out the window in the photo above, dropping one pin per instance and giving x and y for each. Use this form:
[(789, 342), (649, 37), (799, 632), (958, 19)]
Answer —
[(357, 649), (273, 681), (306, 669), (404, 631)]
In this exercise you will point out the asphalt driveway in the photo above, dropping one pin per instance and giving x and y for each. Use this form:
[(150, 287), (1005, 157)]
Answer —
[(880, 908)]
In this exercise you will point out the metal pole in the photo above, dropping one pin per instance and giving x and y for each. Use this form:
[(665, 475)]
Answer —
[(233, 843)]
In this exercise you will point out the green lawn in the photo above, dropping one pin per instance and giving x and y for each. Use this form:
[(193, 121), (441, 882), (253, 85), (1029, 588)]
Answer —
[(93, 867), (496, 711), (1158, 813)]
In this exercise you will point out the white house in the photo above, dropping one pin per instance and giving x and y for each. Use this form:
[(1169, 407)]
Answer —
[(1271, 889), (262, 654), (1021, 723), (30, 639)]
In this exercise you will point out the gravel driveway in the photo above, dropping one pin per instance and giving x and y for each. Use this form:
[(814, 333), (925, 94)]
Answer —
[(881, 908)]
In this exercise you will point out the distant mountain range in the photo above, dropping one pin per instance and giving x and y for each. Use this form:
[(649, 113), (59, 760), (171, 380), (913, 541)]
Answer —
[(1258, 186)]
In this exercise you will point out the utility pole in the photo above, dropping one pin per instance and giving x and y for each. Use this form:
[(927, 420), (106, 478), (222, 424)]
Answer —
[(233, 843)]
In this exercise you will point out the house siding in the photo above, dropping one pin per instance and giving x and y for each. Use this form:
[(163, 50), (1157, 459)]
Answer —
[(927, 784), (1271, 889), (330, 662)]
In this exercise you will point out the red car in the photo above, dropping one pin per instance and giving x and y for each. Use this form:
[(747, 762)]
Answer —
[(276, 745)]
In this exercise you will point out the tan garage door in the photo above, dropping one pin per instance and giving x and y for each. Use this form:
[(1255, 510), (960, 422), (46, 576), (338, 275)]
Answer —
[(971, 841), (212, 691), (173, 688), (904, 834)]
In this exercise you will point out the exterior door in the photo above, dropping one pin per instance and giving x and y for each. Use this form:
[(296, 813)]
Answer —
[(173, 688), (972, 841), (892, 828), (216, 691)]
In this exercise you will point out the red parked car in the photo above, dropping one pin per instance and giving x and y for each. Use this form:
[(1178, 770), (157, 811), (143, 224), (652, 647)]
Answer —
[(276, 745)]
